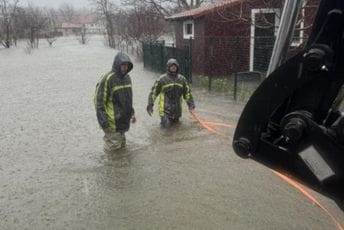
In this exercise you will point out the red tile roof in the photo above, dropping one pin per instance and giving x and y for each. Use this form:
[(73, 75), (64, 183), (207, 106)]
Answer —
[(201, 11), (79, 21), (87, 19)]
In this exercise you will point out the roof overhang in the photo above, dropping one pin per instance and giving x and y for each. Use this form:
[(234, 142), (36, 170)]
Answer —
[(202, 11)]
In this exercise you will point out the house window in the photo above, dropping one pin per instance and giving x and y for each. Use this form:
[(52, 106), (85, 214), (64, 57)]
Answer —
[(188, 30), (264, 27)]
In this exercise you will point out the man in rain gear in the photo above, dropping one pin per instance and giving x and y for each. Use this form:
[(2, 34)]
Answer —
[(172, 87), (114, 103)]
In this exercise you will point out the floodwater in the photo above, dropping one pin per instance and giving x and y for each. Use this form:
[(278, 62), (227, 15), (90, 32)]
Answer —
[(54, 174)]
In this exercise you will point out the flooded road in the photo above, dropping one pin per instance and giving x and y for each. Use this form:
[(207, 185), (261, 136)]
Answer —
[(54, 174)]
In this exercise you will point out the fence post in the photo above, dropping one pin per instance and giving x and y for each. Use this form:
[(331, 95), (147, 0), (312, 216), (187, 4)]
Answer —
[(235, 86), (144, 55), (173, 50), (162, 61), (151, 54), (209, 82), (190, 60)]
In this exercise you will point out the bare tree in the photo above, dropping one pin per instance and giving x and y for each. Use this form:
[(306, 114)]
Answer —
[(145, 24), (83, 35), (168, 7), (49, 28), (143, 21), (237, 13), (50, 40), (121, 27), (7, 14), (54, 17), (36, 23), (105, 9), (67, 12)]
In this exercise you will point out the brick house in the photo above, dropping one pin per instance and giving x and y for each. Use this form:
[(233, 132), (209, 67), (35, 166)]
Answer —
[(235, 35)]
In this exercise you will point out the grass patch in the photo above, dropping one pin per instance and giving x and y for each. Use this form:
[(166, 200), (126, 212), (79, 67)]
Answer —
[(226, 85)]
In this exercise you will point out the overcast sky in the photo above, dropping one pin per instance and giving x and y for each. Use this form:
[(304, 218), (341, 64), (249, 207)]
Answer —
[(57, 3)]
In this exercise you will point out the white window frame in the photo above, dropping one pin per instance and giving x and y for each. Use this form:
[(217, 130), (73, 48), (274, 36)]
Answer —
[(302, 26), (253, 17), (185, 35)]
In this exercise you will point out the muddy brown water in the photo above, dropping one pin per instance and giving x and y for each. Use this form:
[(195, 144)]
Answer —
[(54, 174)]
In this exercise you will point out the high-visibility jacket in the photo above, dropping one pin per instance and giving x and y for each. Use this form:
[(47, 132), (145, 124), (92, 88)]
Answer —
[(172, 88), (114, 98)]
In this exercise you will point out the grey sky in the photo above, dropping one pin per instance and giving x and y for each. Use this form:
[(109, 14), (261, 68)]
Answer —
[(57, 3)]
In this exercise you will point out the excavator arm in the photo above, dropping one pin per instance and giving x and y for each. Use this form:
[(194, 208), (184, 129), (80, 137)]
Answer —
[(292, 121)]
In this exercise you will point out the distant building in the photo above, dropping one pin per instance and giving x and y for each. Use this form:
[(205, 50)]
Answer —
[(92, 24), (68, 28), (235, 35)]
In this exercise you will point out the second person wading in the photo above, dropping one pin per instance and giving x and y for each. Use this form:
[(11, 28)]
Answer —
[(172, 88)]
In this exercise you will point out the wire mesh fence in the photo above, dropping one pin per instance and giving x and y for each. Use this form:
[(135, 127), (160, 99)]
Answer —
[(156, 55), (235, 65)]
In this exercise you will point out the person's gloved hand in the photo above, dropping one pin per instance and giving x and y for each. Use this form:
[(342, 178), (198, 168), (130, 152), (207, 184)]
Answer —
[(107, 130), (191, 109), (133, 119), (150, 110)]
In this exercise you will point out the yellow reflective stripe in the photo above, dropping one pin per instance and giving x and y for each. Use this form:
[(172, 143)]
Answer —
[(105, 88), (187, 96), (161, 104), (109, 105), (96, 95), (171, 85), (95, 99), (116, 88), (154, 91), (111, 115)]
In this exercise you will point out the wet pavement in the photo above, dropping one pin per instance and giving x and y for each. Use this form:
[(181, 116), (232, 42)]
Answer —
[(54, 174)]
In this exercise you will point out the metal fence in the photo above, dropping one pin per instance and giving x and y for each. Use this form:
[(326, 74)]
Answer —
[(156, 55), (231, 64)]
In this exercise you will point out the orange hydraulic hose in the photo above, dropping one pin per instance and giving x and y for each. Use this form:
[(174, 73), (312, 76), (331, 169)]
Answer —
[(303, 190), (219, 124), (208, 124)]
